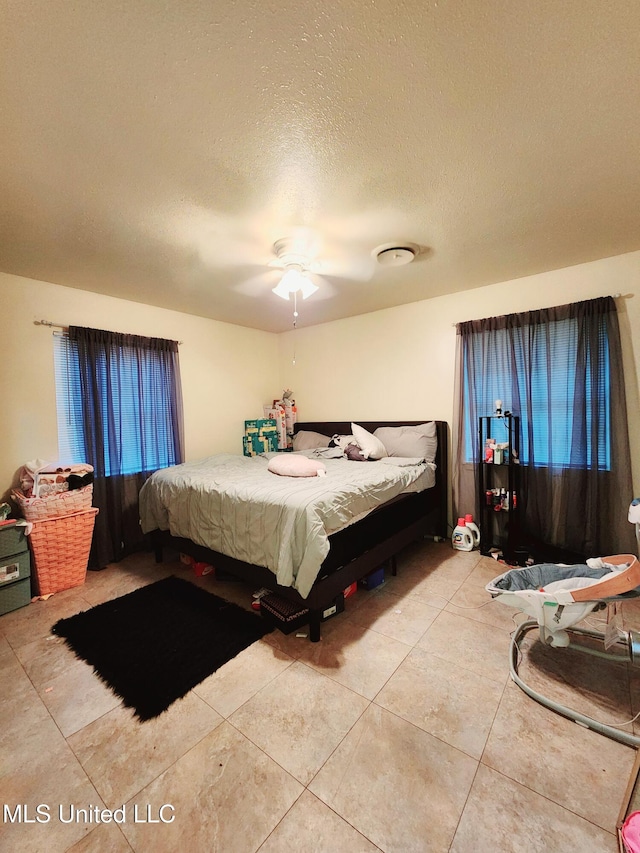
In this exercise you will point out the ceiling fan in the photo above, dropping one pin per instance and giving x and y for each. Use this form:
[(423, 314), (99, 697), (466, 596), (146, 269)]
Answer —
[(302, 264), (305, 261)]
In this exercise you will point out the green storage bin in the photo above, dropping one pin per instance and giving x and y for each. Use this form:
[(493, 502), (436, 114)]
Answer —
[(12, 539), (14, 568), (15, 595)]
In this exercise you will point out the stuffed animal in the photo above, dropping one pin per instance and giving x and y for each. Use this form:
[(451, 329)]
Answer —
[(353, 453), (342, 441)]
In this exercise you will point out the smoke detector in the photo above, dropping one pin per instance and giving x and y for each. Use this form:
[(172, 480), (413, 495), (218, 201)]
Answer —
[(395, 256)]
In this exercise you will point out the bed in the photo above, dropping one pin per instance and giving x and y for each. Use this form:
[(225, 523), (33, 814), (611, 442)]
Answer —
[(354, 551)]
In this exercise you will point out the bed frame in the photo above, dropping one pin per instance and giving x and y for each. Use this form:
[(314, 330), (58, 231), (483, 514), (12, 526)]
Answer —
[(357, 549)]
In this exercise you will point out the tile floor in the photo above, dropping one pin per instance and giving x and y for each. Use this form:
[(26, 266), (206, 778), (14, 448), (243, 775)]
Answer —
[(399, 731)]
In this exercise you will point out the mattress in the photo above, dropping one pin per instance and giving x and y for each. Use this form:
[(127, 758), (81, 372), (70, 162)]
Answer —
[(234, 505)]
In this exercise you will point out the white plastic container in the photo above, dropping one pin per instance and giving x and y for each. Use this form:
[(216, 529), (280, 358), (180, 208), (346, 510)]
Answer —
[(473, 529), (462, 538)]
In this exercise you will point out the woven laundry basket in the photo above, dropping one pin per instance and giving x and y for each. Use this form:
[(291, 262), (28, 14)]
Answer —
[(53, 506), (60, 549)]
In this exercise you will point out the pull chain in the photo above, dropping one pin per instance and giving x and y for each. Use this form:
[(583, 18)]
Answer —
[(295, 324)]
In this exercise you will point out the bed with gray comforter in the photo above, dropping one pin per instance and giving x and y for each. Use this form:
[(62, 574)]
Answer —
[(235, 506)]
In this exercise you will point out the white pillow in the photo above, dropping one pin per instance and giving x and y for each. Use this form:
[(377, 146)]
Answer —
[(288, 465), (308, 440), (371, 447), (421, 440)]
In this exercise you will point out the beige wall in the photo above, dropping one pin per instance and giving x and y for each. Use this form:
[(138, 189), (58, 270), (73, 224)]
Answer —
[(399, 363), (228, 372)]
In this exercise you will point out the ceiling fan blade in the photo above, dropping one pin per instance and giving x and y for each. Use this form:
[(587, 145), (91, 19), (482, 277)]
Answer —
[(258, 285), (223, 241), (231, 253), (357, 267), (325, 288), (351, 241)]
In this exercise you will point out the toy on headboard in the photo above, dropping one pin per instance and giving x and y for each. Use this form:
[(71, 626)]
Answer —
[(284, 413), (342, 441), (290, 414)]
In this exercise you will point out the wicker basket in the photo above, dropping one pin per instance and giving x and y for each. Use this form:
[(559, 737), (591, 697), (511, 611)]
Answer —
[(60, 548), (53, 506)]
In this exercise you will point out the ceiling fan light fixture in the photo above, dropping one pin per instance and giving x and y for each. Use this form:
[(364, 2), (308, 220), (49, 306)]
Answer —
[(281, 289), (293, 281), (307, 288)]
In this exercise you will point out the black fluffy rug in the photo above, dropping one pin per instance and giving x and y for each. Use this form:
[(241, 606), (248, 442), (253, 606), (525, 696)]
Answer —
[(155, 644)]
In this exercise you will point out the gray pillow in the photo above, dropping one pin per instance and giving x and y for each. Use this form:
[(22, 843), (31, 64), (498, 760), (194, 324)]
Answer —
[(420, 441), (308, 440)]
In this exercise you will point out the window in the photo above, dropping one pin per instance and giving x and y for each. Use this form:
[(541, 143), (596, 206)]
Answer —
[(130, 425), (560, 369), (71, 446), (555, 378)]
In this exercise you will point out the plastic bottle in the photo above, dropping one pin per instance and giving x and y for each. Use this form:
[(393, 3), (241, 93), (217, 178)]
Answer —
[(473, 529), (462, 538)]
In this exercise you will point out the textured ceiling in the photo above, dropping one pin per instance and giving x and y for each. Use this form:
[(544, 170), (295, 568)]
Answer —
[(155, 151)]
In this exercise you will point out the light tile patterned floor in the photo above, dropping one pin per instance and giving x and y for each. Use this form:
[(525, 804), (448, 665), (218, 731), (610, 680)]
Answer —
[(400, 731)]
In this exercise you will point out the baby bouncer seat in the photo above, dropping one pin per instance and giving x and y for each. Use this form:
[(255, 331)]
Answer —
[(558, 597)]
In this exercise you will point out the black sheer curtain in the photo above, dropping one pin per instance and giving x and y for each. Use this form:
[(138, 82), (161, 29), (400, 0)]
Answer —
[(132, 424), (560, 370)]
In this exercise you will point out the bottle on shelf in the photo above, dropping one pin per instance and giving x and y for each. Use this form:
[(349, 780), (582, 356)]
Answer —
[(462, 538), (473, 529)]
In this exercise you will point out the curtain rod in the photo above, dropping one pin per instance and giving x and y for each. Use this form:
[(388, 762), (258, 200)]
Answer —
[(51, 325), (57, 326), (613, 296)]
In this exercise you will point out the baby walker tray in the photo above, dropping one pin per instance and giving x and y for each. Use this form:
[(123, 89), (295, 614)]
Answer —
[(558, 597)]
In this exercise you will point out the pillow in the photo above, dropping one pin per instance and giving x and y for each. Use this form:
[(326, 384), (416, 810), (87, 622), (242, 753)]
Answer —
[(420, 440), (288, 465), (371, 446), (308, 440), (353, 452)]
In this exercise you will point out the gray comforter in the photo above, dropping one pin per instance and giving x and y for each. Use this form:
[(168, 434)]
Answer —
[(234, 505)]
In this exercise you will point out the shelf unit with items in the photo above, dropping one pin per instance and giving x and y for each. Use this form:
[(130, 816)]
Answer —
[(499, 482)]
